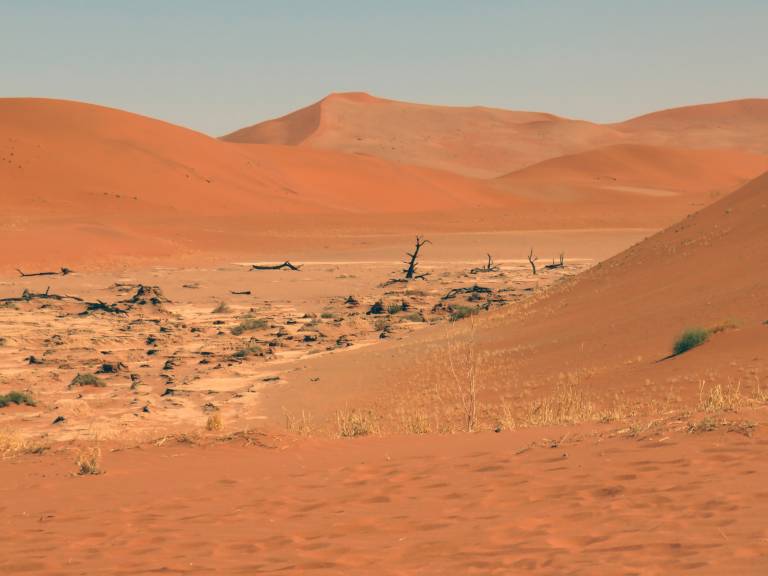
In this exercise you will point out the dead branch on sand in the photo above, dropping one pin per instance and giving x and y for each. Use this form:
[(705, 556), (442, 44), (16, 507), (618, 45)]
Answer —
[(489, 267), (466, 290), (285, 265), (554, 264), (26, 296), (62, 272)]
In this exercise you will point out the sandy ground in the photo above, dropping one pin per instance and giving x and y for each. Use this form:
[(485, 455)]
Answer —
[(663, 500)]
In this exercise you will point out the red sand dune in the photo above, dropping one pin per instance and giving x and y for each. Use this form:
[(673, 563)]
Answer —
[(488, 142), (83, 184), (474, 141), (610, 328), (87, 182)]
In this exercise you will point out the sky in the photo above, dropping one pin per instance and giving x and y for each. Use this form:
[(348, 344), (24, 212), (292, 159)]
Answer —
[(216, 66)]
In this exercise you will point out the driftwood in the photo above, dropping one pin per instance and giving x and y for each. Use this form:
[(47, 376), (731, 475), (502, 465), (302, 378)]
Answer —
[(489, 267), (410, 272), (26, 296), (554, 264), (285, 265), (100, 306), (62, 272), (241, 293), (466, 290), (532, 259)]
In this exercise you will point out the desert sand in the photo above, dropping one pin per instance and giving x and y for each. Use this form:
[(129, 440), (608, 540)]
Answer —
[(179, 411)]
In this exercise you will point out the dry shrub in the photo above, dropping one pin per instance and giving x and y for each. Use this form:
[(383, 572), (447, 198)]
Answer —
[(719, 398), (214, 423), (13, 444), (353, 423), (88, 461), (87, 380), (566, 405), (462, 364), (222, 308), (300, 424), (248, 324)]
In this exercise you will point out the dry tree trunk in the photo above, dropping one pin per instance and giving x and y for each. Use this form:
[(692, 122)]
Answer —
[(410, 272)]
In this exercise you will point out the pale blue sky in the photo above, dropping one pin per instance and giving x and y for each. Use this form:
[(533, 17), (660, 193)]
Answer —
[(219, 65)]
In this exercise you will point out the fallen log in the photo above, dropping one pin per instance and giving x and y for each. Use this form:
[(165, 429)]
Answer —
[(62, 272), (554, 264), (241, 293), (26, 296), (285, 265), (489, 267), (466, 290)]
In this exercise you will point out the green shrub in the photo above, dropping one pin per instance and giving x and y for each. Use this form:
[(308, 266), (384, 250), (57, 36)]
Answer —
[(249, 324), (14, 397), (87, 380), (690, 338)]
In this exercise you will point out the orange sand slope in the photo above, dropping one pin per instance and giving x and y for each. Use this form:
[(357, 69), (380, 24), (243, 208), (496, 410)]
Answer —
[(611, 328), (86, 180), (81, 184), (487, 142), (665, 503)]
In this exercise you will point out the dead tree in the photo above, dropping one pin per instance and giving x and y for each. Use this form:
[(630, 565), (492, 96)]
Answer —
[(26, 296), (554, 264), (62, 272), (285, 265), (410, 272), (532, 259), (489, 267)]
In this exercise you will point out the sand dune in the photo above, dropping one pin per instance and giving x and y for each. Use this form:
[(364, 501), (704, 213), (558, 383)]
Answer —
[(109, 184), (487, 142), (84, 184), (610, 329), (474, 141)]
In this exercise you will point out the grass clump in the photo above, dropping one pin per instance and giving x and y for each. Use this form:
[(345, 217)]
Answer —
[(689, 339), (222, 308), (354, 423), (415, 317), (250, 349), (214, 423), (89, 462), (15, 397), (249, 324), (328, 315), (460, 312), (87, 380)]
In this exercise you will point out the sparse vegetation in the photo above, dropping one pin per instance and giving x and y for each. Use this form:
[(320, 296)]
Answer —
[(15, 397), (300, 424), (460, 312), (353, 423), (248, 325), (89, 462), (689, 339), (328, 315), (87, 380), (214, 422), (719, 398), (222, 308), (250, 349)]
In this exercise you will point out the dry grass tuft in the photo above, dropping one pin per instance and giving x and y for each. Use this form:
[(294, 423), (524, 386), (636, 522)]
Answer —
[(301, 424), (15, 397), (214, 423), (566, 405), (354, 423), (222, 308), (87, 380), (89, 462), (720, 399), (249, 324)]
